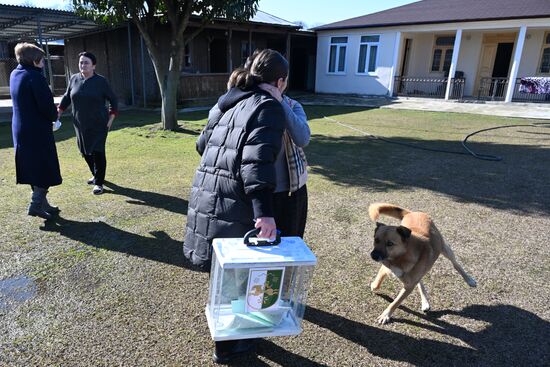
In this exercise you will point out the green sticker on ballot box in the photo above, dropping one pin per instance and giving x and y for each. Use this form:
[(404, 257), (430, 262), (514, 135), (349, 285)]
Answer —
[(264, 289)]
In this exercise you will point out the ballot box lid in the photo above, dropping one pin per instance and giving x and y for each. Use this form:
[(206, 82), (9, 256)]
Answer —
[(291, 251)]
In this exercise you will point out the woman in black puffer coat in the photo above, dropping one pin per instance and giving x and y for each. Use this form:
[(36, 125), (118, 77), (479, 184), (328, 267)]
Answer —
[(233, 185)]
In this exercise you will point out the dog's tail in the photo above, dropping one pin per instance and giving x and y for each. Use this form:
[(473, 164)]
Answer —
[(386, 209)]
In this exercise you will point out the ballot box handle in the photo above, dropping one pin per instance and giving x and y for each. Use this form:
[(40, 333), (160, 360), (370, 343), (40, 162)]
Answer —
[(254, 232)]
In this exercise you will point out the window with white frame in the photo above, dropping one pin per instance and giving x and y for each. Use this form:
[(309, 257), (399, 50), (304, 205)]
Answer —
[(368, 54), (545, 55), (337, 55), (442, 53)]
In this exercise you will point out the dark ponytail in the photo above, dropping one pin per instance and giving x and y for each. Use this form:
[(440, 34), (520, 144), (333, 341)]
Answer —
[(266, 66), (242, 78)]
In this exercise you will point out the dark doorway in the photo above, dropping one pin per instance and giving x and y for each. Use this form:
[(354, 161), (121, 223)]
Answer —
[(502, 60), (218, 56), (277, 44), (298, 68)]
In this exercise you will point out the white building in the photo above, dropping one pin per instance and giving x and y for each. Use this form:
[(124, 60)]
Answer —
[(410, 50)]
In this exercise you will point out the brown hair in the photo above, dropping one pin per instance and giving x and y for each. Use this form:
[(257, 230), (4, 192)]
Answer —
[(266, 66), (27, 53)]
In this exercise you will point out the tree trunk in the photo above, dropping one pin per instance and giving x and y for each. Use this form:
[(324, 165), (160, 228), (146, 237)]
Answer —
[(169, 94), (167, 73), (168, 79)]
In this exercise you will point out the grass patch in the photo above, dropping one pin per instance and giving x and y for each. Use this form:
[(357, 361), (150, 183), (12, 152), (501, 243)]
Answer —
[(113, 287)]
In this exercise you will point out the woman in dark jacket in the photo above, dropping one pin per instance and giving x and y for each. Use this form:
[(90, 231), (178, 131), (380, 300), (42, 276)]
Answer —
[(34, 111), (88, 92), (233, 185)]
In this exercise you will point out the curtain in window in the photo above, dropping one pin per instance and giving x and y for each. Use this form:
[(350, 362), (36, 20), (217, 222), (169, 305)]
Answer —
[(332, 59), (372, 58), (545, 62), (436, 61)]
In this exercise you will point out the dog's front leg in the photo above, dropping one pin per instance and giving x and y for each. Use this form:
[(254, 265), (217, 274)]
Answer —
[(382, 273), (423, 296), (385, 317)]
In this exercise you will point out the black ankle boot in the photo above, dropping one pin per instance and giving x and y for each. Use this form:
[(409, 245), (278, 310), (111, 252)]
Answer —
[(53, 210), (36, 208), (38, 211)]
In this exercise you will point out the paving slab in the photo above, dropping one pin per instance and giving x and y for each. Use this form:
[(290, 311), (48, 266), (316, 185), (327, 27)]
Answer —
[(520, 110)]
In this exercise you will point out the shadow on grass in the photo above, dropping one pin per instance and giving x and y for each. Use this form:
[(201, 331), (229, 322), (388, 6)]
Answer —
[(519, 182), (160, 247), (274, 353), (513, 337), (147, 198), (283, 357)]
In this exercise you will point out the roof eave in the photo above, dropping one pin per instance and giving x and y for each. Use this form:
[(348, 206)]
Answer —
[(224, 20), (386, 25)]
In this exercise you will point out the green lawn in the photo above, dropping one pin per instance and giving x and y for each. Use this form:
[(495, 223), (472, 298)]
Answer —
[(107, 283)]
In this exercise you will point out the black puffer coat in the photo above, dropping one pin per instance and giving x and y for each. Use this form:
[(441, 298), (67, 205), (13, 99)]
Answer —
[(236, 176)]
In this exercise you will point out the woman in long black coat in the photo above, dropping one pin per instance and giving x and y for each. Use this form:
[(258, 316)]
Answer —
[(34, 111)]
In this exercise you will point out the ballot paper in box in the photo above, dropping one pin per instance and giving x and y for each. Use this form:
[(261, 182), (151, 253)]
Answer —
[(258, 289)]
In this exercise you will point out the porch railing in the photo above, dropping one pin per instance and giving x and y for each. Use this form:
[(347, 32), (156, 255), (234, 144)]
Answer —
[(492, 89), (495, 89), (528, 97), (428, 87)]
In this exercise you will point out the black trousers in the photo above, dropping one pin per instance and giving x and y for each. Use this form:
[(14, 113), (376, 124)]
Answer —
[(290, 212), (97, 162)]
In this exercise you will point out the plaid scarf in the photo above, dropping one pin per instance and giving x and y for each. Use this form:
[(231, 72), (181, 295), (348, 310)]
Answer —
[(296, 161)]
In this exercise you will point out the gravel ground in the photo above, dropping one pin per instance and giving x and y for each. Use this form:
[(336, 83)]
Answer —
[(107, 285)]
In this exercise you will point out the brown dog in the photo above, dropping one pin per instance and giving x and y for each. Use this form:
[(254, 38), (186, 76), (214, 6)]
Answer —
[(409, 252)]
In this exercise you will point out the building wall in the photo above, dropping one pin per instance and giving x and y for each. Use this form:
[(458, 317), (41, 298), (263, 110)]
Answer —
[(350, 81), (532, 52), (421, 53), (420, 58), (115, 61), (469, 56), (111, 51), (468, 59)]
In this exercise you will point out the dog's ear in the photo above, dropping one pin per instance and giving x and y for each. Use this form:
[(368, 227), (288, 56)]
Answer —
[(378, 225), (404, 232)]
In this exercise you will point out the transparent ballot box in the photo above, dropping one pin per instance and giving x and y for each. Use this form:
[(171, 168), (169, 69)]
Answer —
[(258, 290)]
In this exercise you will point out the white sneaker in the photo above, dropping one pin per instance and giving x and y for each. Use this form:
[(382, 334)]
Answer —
[(97, 190)]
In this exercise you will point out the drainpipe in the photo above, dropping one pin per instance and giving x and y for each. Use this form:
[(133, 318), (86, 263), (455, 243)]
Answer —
[(396, 50), (452, 70), (515, 64)]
